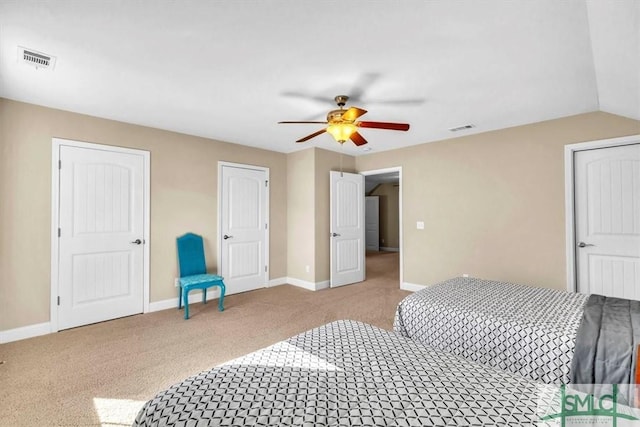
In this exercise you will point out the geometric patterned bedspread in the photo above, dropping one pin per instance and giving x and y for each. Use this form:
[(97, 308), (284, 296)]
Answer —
[(520, 329), (346, 373)]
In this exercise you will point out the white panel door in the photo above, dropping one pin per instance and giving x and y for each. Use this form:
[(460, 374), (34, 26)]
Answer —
[(101, 219), (243, 228), (607, 189), (347, 228), (372, 222)]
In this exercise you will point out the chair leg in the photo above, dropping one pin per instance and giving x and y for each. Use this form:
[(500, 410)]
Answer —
[(221, 299), (185, 294), (204, 296), (179, 297)]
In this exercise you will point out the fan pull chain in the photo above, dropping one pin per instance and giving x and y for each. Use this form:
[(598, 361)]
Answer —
[(341, 156)]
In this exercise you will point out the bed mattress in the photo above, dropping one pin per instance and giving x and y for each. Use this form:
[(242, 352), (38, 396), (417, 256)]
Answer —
[(346, 373), (519, 329)]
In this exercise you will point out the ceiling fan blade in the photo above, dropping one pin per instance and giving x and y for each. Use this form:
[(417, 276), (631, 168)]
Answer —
[(384, 125), (362, 84), (353, 113), (313, 135), (290, 123), (357, 139), (408, 101), (308, 97)]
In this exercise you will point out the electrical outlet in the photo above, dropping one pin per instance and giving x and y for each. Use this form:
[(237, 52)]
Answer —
[(420, 225), (176, 282), (465, 275), (382, 240), (307, 268)]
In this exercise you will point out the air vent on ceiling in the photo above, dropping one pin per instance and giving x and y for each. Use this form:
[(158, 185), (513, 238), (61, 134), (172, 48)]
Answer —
[(35, 58), (464, 127)]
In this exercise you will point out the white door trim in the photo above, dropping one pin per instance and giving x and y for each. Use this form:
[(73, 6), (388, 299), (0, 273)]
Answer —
[(56, 143), (266, 218), (570, 231), (401, 245)]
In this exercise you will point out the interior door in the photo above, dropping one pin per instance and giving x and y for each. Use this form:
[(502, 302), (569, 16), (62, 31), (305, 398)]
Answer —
[(372, 223), (101, 235), (243, 228), (347, 228), (607, 197)]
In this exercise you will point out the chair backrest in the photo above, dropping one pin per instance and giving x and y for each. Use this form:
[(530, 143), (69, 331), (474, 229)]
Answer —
[(191, 255)]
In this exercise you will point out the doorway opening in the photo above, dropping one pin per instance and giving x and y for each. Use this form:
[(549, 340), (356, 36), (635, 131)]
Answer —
[(383, 224)]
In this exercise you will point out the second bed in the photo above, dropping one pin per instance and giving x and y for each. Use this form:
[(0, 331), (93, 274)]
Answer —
[(519, 329)]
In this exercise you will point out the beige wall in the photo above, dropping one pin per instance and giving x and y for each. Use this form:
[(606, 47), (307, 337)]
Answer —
[(308, 211), (301, 215), (492, 203), (183, 198), (388, 197)]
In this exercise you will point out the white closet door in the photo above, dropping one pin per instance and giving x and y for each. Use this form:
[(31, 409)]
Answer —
[(347, 228), (101, 256), (372, 222), (607, 189), (244, 228)]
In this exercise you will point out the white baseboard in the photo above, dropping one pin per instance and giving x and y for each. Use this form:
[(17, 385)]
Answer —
[(310, 286), (382, 248), (36, 330), (323, 285), (412, 287), (25, 332), (277, 282), (194, 296)]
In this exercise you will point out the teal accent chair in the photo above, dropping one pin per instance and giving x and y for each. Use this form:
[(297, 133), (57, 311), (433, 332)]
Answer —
[(193, 272)]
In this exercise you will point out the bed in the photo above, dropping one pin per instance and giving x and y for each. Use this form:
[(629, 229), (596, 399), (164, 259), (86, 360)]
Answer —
[(545, 335), (519, 329), (346, 373)]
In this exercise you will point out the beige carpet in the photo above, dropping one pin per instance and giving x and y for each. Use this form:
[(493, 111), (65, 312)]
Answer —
[(101, 374)]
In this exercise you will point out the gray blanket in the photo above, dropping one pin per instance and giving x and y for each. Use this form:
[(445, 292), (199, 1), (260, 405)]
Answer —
[(606, 344)]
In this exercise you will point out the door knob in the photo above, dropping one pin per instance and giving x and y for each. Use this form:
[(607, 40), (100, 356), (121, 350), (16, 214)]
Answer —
[(137, 242), (225, 237), (335, 234), (584, 245)]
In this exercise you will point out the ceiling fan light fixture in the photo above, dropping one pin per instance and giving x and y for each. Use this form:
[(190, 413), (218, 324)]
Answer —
[(342, 124), (341, 131)]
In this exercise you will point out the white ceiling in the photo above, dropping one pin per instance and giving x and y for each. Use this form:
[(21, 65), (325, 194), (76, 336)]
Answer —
[(229, 70)]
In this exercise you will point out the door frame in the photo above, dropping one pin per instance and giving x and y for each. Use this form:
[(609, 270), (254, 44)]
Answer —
[(400, 241), (56, 143), (569, 192), (266, 216)]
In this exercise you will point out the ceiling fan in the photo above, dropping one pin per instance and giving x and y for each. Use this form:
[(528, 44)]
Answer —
[(342, 124)]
